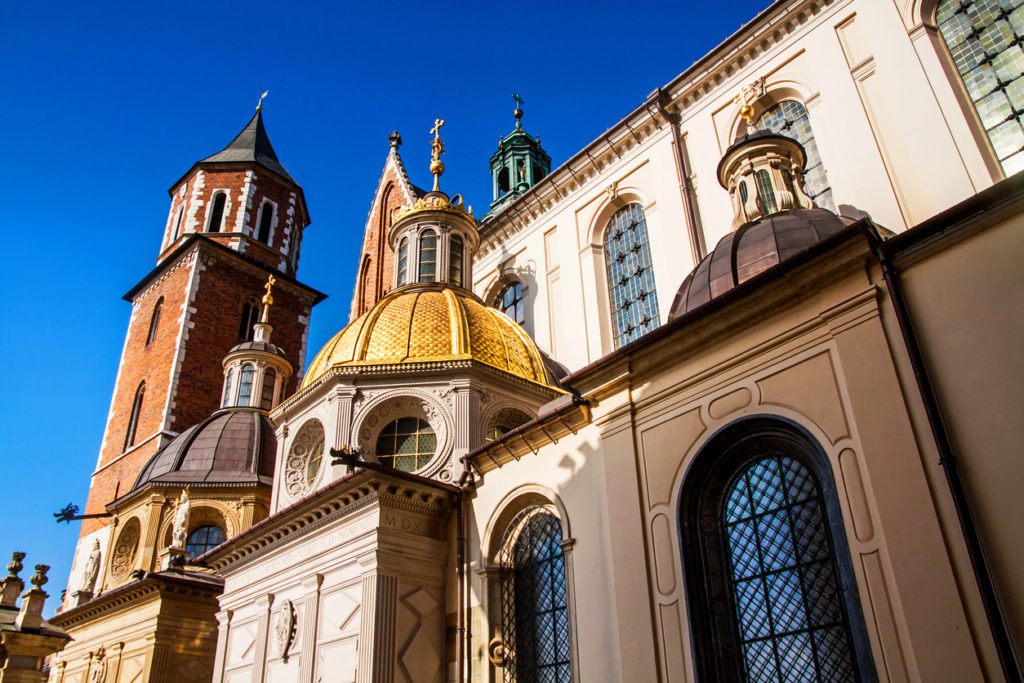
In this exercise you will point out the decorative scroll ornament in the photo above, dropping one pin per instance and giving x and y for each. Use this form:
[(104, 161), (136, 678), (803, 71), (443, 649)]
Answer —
[(296, 466), (496, 652), (284, 630)]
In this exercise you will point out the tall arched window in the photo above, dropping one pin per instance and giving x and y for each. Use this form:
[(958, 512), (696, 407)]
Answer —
[(203, 539), (406, 444), (789, 118), (133, 419), (217, 213), (245, 385), (627, 256), (250, 314), (765, 192), (455, 260), (428, 256), (984, 37), (510, 302), (763, 537), (266, 215), (267, 395), (403, 261), (154, 321), (534, 599), (228, 386)]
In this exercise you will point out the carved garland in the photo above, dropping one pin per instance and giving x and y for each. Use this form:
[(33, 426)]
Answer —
[(381, 408), (296, 464)]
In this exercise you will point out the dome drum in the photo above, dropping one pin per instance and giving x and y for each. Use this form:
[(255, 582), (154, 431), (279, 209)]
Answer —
[(763, 173)]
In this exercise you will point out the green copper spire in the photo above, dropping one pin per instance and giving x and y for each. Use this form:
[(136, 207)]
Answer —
[(519, 163)]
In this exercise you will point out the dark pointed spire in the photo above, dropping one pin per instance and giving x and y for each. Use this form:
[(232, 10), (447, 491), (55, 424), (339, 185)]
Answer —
[(252, 145)]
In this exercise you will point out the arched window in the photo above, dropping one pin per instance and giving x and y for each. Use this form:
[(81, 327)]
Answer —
[(534, 599), (789, 118), (765, 192), (267, 395), (154, 321), (455, 260), (177, 222), (406, 444), (763, 536), (203, 539), (984, 39), (266, 214), (510, 302), (217, 214), (403, 261), (245, 385), (133, 419), (225, 401), (503, 185), (250, 314), (627, 254), (428, 256)]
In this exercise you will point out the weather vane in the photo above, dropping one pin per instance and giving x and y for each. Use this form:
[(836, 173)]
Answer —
[(259, 105), (437, 149)]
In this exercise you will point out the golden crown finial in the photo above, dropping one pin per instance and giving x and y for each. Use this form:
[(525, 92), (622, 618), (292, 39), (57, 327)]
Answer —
[(436, 150), (267, 299)]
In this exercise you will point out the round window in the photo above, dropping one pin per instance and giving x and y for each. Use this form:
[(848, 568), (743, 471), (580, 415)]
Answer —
[(302, 466), (406, 444)]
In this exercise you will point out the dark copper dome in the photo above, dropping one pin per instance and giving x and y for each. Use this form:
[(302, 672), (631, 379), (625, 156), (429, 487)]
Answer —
[(234, 446), (752, 249), (264, 346)]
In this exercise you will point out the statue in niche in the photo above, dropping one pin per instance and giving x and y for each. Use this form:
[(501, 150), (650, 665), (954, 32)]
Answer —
[(179, 533), (91, 570)]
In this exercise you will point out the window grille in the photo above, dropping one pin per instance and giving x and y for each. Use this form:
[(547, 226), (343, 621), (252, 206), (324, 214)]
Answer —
[(266, 215), (403, 261), (217, 214), (510, 301), (428, 256), (245, 385), (154, 321), (535, 611), (789, 118), (204, 539), (267, 395), (634, 301), (455, 261), (133, 418), (406, 444), (226, 401), (986, 41)]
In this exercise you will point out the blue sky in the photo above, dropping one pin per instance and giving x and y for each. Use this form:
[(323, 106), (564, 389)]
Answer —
[(104, 105)]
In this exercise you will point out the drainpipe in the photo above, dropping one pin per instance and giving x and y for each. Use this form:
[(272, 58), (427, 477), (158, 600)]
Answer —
[(950, 466), (462, 632)]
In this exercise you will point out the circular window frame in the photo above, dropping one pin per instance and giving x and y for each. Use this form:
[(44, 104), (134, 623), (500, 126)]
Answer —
[(296, 478), (380, 410)]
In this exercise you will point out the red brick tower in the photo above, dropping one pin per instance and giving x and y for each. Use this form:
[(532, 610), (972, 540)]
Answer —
[(377, 261), (235, 217)]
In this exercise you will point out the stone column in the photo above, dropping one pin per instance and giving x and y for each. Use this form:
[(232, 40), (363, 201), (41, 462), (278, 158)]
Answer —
[(309, 629), (377, 629), (223, 631), (259, 662), (341, 406)]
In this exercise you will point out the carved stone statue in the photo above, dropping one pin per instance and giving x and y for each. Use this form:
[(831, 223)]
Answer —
[(179, 533), (91, 570)]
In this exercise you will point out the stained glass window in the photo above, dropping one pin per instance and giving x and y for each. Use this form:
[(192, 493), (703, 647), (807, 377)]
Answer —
[(535, 610), (406, 444), (627, 254), (510, 302), (428, 256), (985, 39), (789, 118), (782, 575), (203, 539)]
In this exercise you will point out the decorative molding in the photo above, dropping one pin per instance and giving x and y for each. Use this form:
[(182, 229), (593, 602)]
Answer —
[(296, 465)]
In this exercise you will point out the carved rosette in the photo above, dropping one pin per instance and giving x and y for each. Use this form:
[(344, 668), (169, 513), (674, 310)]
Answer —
[(122, 559), (387, 406), (308, 441)]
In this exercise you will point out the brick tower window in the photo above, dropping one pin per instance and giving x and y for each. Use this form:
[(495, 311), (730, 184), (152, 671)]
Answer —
[(217, 214), (154, 321), (250, 314), (266, 214), (133, 421), (177, 223)]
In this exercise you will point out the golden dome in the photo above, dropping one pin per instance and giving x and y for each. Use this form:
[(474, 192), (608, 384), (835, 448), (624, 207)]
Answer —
[(427, 326)]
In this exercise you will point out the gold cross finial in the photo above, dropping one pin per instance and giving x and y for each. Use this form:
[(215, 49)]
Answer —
[(436, 130), (267, 299), (436, 149), (259, 105)]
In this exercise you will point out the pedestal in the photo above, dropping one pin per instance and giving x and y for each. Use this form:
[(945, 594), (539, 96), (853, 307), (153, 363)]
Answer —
[(170, 558)]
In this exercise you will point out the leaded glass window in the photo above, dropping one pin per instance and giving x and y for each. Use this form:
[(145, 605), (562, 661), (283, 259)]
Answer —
[(535, 610), (455, 261), (510, 301), (789, 118), (403, 261), (267, 394), (316, 456), (204, 539), (985, 39), (228, 385), (765, 192), (782, 575), (245, 385), (627, 254), (428, 256), (406, 444)]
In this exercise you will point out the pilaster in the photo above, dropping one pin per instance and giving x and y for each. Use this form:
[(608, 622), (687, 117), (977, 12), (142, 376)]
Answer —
[(259, 662), (223, 628), (309, 628)]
